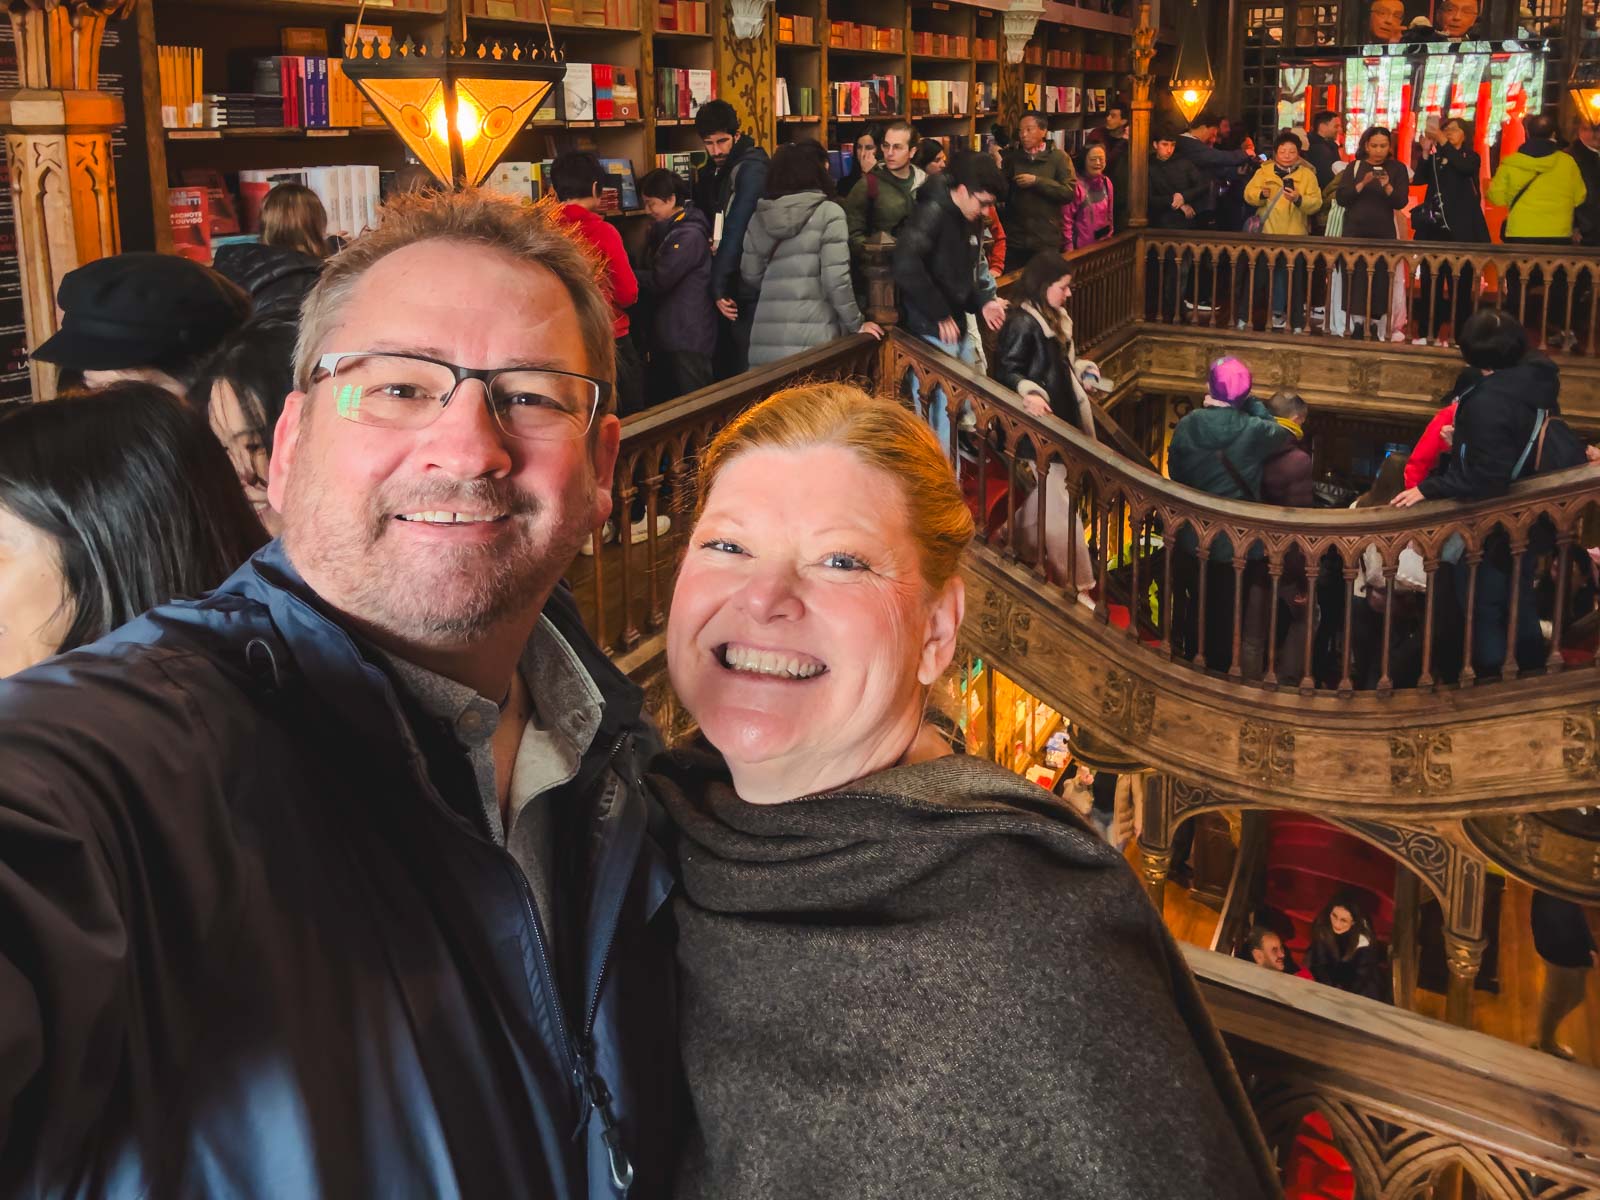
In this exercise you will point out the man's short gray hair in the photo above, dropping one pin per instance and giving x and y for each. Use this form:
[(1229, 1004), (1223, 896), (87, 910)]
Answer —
[(532, 234), (1288, 404)]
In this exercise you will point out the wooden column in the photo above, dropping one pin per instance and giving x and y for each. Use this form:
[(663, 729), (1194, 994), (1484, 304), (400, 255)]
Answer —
[(1155, 840), (747, 74), (1012, 105), (1144, 49), (58, 135), (1464, 942)]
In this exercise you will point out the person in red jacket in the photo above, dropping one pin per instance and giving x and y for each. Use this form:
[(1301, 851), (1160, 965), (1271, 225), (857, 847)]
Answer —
[(578, 179), (1433, 445)]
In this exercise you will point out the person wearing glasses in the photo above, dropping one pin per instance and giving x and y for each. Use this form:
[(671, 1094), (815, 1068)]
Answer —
[(340, 881)]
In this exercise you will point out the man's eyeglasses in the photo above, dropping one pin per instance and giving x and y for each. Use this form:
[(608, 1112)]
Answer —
[(404, 391)]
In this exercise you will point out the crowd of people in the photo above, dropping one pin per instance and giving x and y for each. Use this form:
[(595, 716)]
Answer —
[(1206, 178)]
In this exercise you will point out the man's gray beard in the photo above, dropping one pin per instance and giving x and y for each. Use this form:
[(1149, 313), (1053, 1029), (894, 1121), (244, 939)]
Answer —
[(502, 583)]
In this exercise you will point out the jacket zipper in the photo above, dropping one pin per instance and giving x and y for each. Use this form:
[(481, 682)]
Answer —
[(590, 1081)]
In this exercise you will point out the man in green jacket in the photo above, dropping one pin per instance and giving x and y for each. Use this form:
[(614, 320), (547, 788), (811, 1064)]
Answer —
[(1041, 180), (1541, 187), (884, 199)]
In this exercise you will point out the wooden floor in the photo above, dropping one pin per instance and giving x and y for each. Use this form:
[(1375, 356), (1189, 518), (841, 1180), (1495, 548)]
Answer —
[(1512, 1015)]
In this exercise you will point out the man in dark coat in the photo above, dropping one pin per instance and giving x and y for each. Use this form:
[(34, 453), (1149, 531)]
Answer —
[(1322, 150), (727, 190), (675, 281), (1040, 178), (340, 881), (1218, 166), (1176, 187), (1113, 134), (1585, 150)]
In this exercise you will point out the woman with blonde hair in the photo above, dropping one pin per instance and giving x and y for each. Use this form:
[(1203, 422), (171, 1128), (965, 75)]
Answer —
[(905, 972), (280, 270)]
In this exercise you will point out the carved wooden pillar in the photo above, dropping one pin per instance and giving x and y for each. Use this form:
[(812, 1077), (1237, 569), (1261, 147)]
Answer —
[(1155, 839), (882, 303), (1012, 104), (58, 136), (1144, 49), (1464, 942), (747, 74)]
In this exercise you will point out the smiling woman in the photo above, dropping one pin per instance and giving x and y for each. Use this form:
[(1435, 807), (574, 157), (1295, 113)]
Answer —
[(905, 972)]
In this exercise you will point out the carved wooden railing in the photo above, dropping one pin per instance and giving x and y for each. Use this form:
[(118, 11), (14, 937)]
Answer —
[(1343, 287), (1172, 555), (625, 589), (1413, 1105)]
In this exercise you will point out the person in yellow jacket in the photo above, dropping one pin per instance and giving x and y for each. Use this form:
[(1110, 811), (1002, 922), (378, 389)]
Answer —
[(1540, 187), (1285, 194)]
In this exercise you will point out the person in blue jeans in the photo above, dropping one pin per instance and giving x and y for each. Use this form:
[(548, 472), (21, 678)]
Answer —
[(1496, 425), (940, 271)]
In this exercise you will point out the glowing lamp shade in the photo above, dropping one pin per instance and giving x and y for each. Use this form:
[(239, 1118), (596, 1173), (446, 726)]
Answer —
[(1190, 96), (1584, 88), (492, 98), (1192, 83)]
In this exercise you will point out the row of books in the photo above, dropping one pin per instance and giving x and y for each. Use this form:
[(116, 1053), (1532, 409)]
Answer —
[(597, 14), (1081, 60), (879, 96), (1049, 98), (795, 28), (956, 45), (986, 49), (680, 91), (180, 69), (681, 16), (939, 97), (986, 95), (595, 92), (852, 35), (683, 162), (530, 181), (796, 102)]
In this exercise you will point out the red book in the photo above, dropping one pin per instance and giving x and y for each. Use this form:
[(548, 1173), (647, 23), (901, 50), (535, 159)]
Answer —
[(189, 211), (683, 93)]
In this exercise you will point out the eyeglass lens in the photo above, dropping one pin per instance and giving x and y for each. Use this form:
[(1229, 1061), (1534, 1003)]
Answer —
[(395, 392)]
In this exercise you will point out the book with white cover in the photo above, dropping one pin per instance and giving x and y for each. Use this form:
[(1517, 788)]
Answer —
[(577, 91)]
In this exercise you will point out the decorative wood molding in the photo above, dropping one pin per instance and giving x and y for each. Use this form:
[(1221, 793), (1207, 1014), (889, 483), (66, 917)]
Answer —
[(746, 76)]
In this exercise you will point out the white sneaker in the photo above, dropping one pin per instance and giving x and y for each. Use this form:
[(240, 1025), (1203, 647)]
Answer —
[(1419, 341), (1279, 323), (608, 534), (638, 532), (1241, 325)]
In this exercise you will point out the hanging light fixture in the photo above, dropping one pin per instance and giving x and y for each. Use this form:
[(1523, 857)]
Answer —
[(1191, 77), (1584, 88), (1019, 21), (456, 109)]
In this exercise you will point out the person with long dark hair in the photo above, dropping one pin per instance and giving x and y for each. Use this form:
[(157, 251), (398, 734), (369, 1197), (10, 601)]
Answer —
[(1452, 211), (242, 394), (280, 269), (1037, 359), (1344, 950), (797, 259), (1371, 190), (111, 503)]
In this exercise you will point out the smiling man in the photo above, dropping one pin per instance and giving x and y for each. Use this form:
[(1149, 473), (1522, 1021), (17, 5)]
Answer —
[(338, 882)]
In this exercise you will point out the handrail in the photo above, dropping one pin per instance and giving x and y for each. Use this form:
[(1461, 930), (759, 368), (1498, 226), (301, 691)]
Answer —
[(1445, 1097), (1146, 532), (1355, 287), (625, 590)]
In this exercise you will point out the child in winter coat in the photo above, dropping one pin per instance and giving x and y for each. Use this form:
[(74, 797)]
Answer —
[(676, 277)]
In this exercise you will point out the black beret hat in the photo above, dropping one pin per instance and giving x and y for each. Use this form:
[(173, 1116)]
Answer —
[(142, 310)]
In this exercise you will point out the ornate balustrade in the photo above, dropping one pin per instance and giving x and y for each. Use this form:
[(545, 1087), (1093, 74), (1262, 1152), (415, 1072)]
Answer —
[(1358, 288), (1412, 1105)]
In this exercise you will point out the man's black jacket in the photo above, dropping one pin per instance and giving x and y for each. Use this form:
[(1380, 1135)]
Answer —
[(250, 950)]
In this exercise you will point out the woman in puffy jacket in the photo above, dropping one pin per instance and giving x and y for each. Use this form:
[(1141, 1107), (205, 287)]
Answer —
[(1087, 218), (1036, 359), (797, 260), (1284, 193)]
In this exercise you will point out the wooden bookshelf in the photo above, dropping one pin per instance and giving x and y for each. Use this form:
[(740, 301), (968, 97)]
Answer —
[(231, 31)]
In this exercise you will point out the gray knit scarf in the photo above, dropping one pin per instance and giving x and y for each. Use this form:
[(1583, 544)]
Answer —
[(936, 983)]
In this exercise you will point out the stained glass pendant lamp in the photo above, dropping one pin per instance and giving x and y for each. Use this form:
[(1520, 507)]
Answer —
[(1584, 88), (1192, 84), (457, 108)]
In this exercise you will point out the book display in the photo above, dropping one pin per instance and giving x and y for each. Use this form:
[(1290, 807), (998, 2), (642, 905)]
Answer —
[(253, 92)]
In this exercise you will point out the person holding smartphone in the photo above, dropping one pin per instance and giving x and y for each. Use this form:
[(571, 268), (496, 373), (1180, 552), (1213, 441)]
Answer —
[(1284, 193), (1371, 191)]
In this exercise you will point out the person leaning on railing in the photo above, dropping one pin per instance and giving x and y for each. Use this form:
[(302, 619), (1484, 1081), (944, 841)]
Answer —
[(1176, 188), (1497, 440)]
